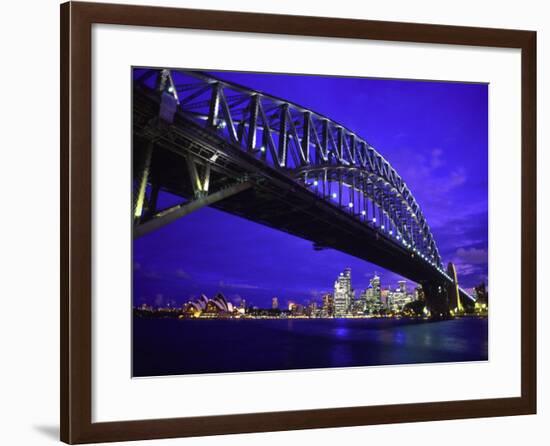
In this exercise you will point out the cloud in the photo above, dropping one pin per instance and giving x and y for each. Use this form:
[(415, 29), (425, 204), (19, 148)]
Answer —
[(244, 286), (181, 274), (436, 160), (474, 256), (457, 178)]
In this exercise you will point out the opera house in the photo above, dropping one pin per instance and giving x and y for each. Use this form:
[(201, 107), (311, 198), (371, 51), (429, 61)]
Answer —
[(217, 307)]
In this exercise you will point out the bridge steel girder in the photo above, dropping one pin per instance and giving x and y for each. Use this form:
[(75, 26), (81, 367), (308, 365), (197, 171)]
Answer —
[(174, 213), (324, 152)]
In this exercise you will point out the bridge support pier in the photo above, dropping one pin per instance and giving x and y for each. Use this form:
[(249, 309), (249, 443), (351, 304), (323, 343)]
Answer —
[(437, 300)]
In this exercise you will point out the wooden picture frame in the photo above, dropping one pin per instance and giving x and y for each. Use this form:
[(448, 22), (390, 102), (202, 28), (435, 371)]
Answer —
[(76, 221)]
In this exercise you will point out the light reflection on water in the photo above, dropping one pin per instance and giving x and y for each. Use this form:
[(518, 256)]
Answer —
[(341, 332), (166, 346)]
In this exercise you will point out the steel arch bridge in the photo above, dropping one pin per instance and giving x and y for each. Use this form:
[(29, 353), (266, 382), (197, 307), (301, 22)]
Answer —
[(218, 126)]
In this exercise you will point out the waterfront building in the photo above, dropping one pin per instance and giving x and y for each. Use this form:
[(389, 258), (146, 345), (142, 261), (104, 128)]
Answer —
[(275, 303), (358, 307), (398, 299), (328, 305), (376, 287), (482, 299), (372, 303), (296, 309), (385, 298), (481, 294), (311, 309), (419, 293), (218, 306), (343, 294), (402, 286)]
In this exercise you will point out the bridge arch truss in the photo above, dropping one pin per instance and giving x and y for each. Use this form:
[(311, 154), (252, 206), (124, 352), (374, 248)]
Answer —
[(324, 156)]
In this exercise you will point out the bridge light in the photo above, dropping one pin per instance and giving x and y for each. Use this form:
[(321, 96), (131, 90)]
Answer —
[(363, 212), (350, 204), (382, 226), (374, 220), (222, 125), (334, 195), (391, 232), (316, 183), (262, 149)]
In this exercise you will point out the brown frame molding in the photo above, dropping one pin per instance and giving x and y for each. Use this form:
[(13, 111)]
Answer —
[(76, 207)]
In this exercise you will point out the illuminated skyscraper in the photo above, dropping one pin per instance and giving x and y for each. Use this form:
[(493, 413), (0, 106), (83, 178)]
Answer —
[(377, 291), (343, 294), (275, 303)]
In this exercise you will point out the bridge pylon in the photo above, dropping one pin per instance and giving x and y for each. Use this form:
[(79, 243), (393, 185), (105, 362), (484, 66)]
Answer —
[(455, 302)]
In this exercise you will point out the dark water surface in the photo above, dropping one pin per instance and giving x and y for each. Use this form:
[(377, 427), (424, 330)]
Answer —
[(177, 347)]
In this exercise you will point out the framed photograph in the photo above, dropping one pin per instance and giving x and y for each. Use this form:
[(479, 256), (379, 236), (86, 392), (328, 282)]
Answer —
[(281, 222)]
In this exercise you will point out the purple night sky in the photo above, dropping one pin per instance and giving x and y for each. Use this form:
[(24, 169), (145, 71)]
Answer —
[(435, 134)]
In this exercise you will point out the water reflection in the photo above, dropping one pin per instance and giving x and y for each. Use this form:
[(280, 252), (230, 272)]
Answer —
[(167, 347)]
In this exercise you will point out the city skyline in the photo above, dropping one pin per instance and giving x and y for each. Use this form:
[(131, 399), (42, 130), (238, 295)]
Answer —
[(343, 295), (406, 121), (343, 301), (282, 299)]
